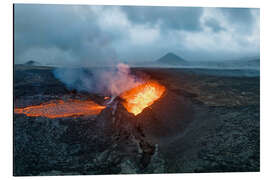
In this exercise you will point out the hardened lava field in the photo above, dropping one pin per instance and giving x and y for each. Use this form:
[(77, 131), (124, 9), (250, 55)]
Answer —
[(199, 121)]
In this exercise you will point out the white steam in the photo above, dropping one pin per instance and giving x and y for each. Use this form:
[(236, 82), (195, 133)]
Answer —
[(107, 81), (118, 81)]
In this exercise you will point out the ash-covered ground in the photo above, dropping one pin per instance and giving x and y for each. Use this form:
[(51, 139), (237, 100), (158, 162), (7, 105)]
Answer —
[(207, 121)]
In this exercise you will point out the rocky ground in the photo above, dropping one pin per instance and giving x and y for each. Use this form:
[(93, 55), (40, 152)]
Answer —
[(205, 122)]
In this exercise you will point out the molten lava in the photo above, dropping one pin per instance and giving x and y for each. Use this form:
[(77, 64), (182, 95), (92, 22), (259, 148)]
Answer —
[(60, 109), (142, 96)]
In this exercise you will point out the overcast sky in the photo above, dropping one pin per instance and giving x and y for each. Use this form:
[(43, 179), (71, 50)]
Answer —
[(68, 34)]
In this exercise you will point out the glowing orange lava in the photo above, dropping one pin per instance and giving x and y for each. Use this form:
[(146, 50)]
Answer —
[(60, 109), (142, 96)]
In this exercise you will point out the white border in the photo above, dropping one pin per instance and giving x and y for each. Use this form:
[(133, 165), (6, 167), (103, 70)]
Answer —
[(6, 84), (204, 3)]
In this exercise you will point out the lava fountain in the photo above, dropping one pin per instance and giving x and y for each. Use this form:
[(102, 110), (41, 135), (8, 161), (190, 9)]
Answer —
[(142, 96), (60, 109)]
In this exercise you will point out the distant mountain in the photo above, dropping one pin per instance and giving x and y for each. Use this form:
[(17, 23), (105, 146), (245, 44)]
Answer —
[(31, 63), (172, 59), (242, 63)]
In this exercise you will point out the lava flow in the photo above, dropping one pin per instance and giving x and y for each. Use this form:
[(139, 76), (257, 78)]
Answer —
[(142, 96), (135, 101), (60, 109)]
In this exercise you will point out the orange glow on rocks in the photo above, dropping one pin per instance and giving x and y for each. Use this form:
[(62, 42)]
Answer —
[(142, 96), (60, 109)]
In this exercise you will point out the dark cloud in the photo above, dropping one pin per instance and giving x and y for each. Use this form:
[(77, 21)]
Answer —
[(214, 25), (238, 15), (61, 27), (168, 17), (64, 34)]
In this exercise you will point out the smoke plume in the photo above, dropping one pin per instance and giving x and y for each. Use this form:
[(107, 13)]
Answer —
[(108, 81)]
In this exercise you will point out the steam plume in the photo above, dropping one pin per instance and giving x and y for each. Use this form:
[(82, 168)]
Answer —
[(110, 81)]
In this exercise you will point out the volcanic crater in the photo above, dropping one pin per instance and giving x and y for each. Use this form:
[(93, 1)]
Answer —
[(172, 134)]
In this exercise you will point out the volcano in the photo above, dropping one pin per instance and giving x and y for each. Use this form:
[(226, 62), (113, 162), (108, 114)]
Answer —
[(171, 59), (131, 123), (171, 121), (135, 100)]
